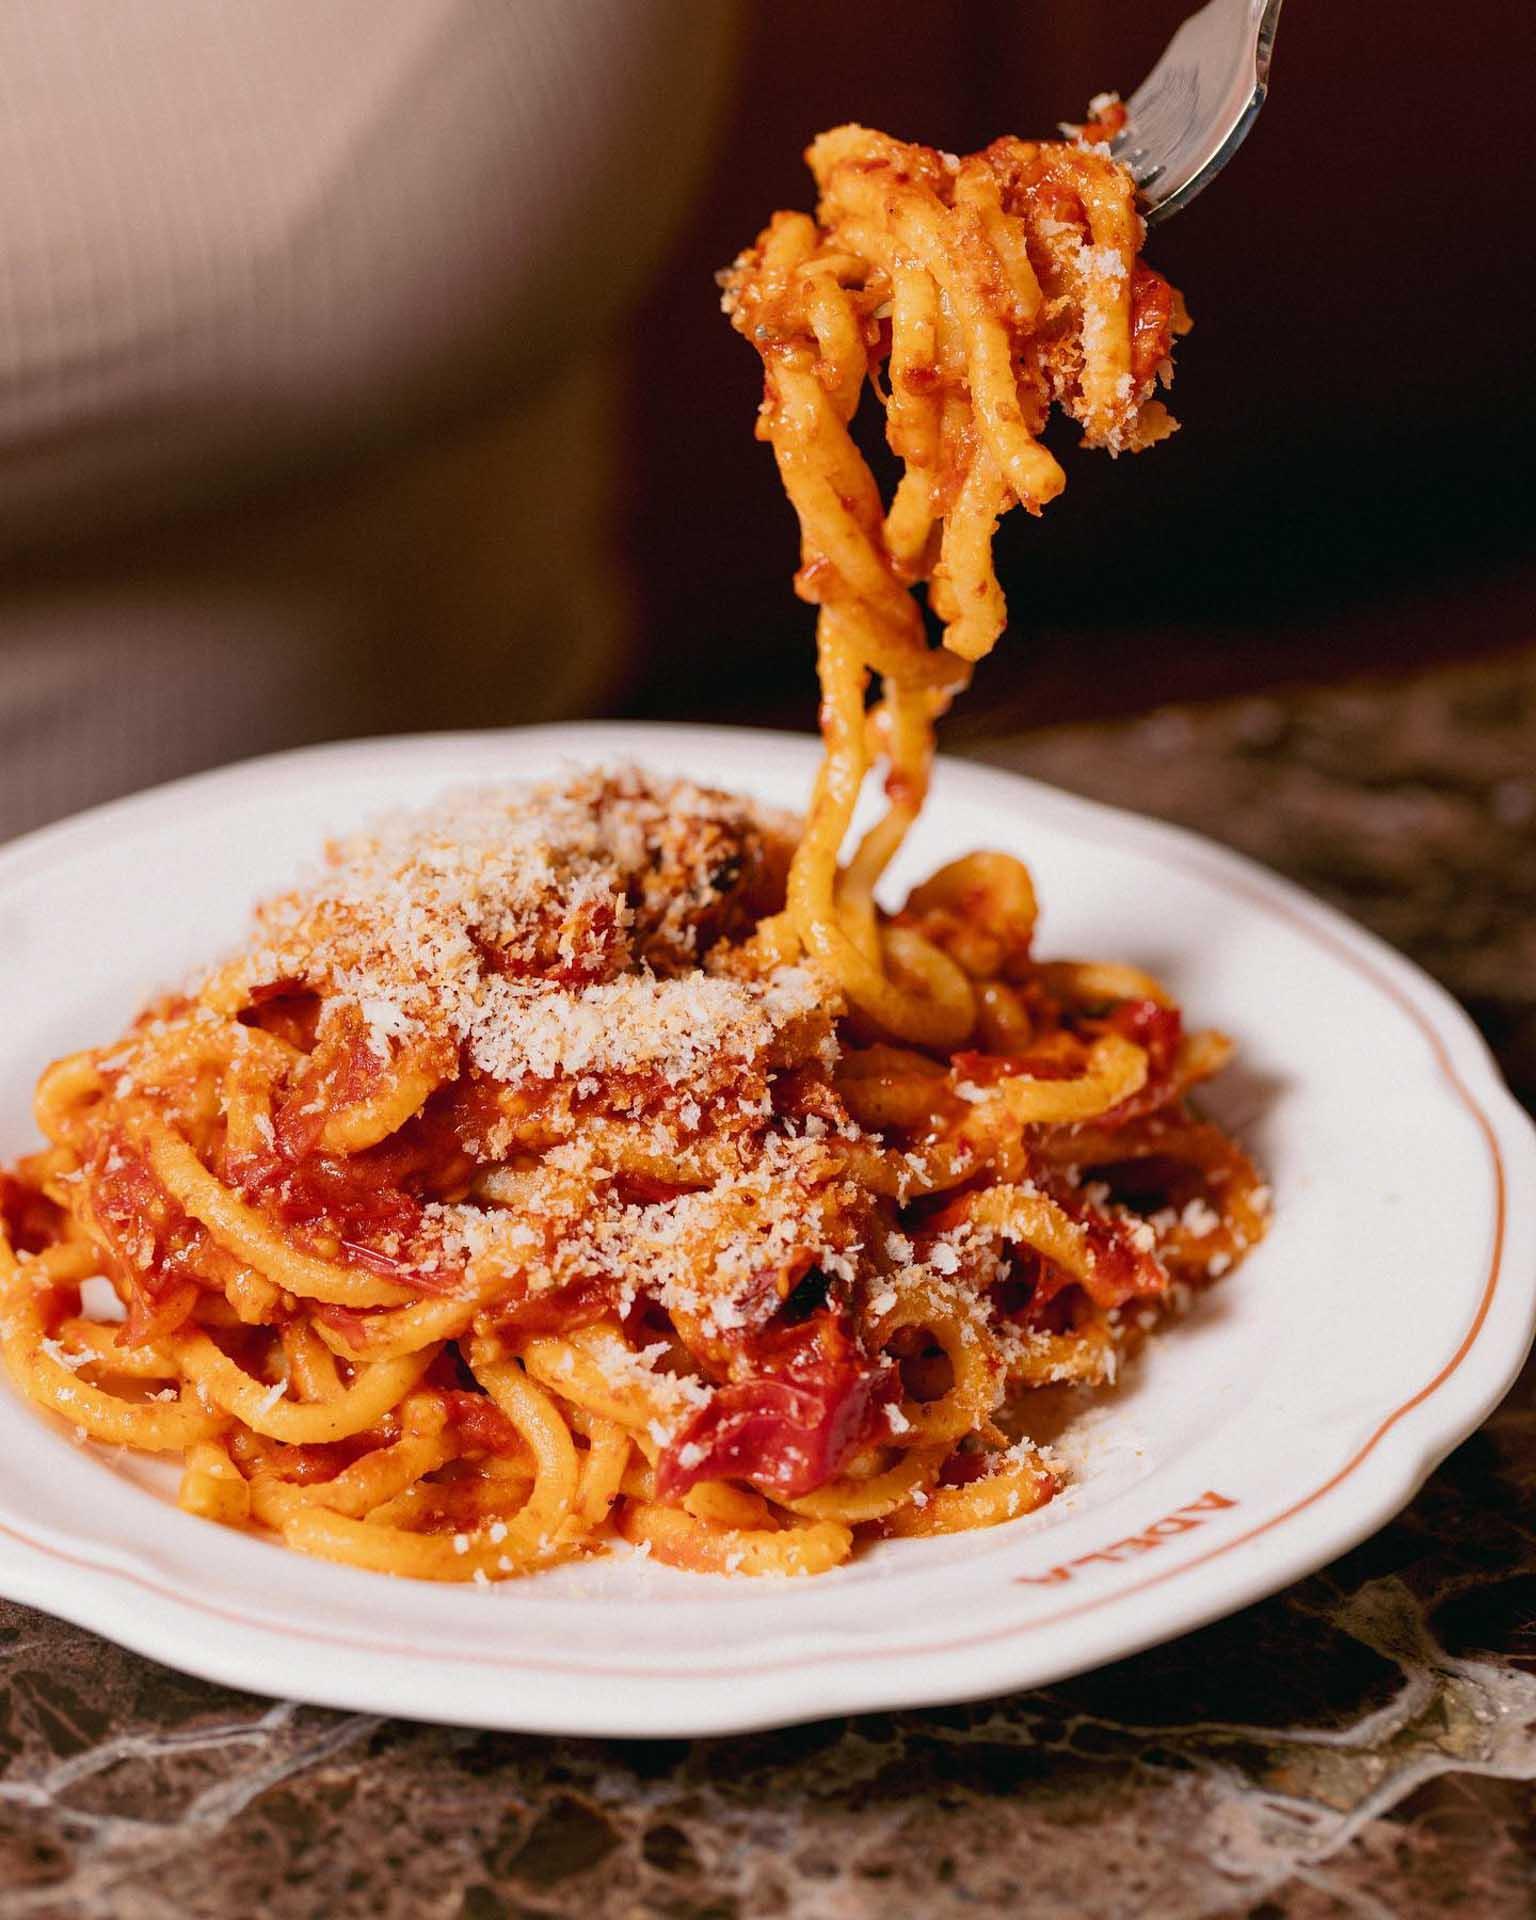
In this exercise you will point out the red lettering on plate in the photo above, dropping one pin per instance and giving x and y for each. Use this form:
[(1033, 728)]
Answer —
[(1052, 1579), (1182, 1520), (1209, 1503)]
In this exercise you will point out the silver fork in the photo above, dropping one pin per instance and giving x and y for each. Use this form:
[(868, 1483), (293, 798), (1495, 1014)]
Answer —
[(1193, 111)]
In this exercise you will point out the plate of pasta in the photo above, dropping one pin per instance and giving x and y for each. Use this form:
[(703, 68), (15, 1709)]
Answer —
[(1047, 1450), (657, 1231)]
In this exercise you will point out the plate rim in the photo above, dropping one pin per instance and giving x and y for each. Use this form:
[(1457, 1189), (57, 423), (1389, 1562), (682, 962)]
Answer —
[(1401, 1451)]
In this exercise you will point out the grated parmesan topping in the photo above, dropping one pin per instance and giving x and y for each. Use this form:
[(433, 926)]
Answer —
[(66, 1357), (682, 1029), (706, 1255), (549, 931)]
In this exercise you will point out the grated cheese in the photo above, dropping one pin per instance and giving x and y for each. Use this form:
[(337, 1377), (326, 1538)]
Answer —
[(63, 1357)]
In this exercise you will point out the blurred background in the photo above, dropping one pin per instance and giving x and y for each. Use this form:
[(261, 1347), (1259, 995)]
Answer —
[(362, 369)]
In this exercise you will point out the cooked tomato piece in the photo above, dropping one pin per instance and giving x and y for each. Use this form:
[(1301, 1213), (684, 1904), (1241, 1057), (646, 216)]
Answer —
[(789, 1425)]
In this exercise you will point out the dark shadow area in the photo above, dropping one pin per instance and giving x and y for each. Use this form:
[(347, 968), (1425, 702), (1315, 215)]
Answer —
[(1348, 490)]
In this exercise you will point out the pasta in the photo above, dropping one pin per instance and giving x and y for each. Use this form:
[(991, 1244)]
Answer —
[(598, 1162)]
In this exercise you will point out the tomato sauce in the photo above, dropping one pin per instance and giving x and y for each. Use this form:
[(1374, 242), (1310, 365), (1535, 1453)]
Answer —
[(1159, 1031), (30, 1218), (150, 1244), (364, 1207), (1152, 316)]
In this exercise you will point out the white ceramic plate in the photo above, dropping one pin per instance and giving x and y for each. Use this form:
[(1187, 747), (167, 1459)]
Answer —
[(1295, 1410)]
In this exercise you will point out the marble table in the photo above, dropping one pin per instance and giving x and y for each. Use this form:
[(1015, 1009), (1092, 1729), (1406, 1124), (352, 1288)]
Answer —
[(1361, 1747)]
